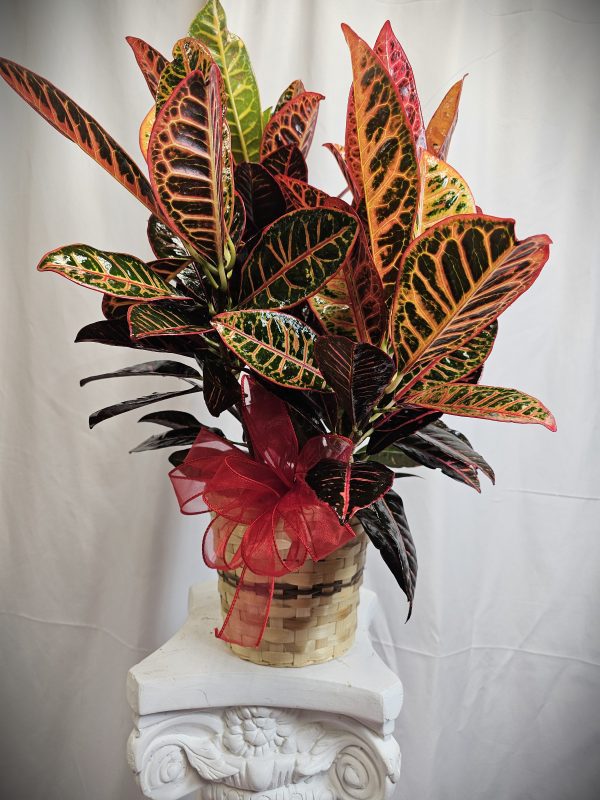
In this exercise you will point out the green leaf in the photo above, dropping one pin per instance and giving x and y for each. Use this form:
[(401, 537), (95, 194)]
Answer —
[(117, 274), (170, 318), (243, 102), (77, 125), (189, 55), (277, 346), (442, 193), (295, 257), (393, 457)]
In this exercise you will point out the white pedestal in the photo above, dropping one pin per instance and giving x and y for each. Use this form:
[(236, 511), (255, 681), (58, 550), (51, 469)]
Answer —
[(206, 720)]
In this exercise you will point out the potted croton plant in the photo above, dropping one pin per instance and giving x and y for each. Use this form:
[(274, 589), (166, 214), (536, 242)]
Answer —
[(336, 330)]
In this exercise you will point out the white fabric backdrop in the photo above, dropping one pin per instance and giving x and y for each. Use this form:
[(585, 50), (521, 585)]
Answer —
[(501, 659)]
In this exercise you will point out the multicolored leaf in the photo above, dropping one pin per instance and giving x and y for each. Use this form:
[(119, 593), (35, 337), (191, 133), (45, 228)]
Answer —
[(347, 488), (295, 257), (465, 361), (77, 125), (441, 126), (397, 425), (443, 193), (146, 130), (165, 243), (243, 101), (115, 332), (300, 194), (277, 346), (294, 123), (162, 367), (357, 373), (388, 160), (455, 280), (386, 526), (262, 198), (483, 402), (117, 274), (394, 59), (351, 148), (287, 160), (293, 90), (337, 151), (181, 318), (185, 157), (150, 62)]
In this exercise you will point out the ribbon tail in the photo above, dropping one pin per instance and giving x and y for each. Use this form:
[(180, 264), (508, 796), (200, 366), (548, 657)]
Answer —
[(248, 613)]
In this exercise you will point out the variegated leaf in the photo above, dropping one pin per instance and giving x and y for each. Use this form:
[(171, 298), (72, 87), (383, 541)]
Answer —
[(287, 160), (441, 126), (243, 102), (455, 280), (146, 130), (150, 62), (117, 274), (387, 157), (278, 346), (394, 59), (465, 361), (185, 157), (347, 488), (351, 148), (115, 333), (170, 318), (294, 123), (165, 243), (77, 125), (442, 193), (337, 151), (293, 90), (302, 195), (397, 425), (295, 257), (189, 55), (262, 198), (221, 389), (483, 402)]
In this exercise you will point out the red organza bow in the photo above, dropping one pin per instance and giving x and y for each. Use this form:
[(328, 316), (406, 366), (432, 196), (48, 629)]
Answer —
[(283, 520)]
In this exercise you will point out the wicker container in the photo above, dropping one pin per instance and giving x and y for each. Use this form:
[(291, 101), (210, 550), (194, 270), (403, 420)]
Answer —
[(313, 612)]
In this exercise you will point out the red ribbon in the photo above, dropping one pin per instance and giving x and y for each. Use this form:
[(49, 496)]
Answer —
[(284, 520)]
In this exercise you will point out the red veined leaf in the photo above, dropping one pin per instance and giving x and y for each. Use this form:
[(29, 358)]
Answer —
[(185, 157), (337, 151), (181, 318), (295, 257), (483, 402), (349, 487), (351, 148), (150, 61), (387, 157), (165, 243), (293, 90), (115, 307), (357, 373), (162, 367), (116, 274), (386, 526), (437, 438), (442, 193), (287, 160), (77, 125), (277, 346), (441, 126), (294, 123), (394, 59), (189, 55), (302, 195), (398, 425), (352, 303), (467, 360), (455, 280), (262, 198), (238, 220)]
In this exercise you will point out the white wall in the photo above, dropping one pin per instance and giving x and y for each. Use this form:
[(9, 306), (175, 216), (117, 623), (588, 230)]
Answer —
[(500, 660)]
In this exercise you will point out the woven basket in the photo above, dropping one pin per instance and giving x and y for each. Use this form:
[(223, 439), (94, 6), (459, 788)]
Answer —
[(313, 611)]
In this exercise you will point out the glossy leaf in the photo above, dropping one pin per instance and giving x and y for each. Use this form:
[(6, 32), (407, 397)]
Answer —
[(300, 194), (184, 437), (129, 405), (337, 151), (468, 359), (293, 124), (176, 420), (278, 346), (177, 458), (262, 198), (180, 318), (397, 425), (115, 307), (164, 368), (243, 102), (351, 147), (238, 220), (77, 125), (185, 157), (386, 526), (484, 402), (295, 257), (357, 373), (393, 457), (165, 243), (115, 332), (441, 126), (146, 130), (443, 193), (349, 487), (388, 161), (394, 59), (150, 62), (189, 55), (293, 90), (221, 388), (455, 280), (117, 274), (287, 160)]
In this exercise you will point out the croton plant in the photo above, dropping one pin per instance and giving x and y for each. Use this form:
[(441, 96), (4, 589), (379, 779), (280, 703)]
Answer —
[(370, 314)]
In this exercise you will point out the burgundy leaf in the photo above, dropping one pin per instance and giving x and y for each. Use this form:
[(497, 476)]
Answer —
[(349, 487)]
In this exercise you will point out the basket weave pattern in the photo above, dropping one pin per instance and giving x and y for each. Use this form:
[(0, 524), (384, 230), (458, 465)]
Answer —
[(313, 612)]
